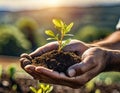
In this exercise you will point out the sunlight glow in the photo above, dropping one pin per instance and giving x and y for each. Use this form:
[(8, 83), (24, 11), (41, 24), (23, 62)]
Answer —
[(38, 4), (54, 2)]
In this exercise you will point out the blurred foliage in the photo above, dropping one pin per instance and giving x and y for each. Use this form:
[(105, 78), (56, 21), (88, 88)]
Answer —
[(107, 77), (90, 24), (91, 33), (25, 23), (29, 27), (40, 38), (12, 41), (11, 70), (103, 79), (27, 36)]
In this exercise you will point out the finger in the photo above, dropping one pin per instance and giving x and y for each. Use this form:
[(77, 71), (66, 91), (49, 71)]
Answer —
[(49, 76), (76, 46), (44, 75), (40, 74), (25, 55), (50, 73), (81, 67), (46, 48), (31, 70), (54, 77), (24, 62), (57, 78), (73, 46), (87, 76)]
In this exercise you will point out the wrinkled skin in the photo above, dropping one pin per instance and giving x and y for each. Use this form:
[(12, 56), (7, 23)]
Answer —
[(93, 62)]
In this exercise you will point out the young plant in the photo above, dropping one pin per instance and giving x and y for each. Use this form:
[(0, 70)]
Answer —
[(12, 71), (63, 31), (43, 88)]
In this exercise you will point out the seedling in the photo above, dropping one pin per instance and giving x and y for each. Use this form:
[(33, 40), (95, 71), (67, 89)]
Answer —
[(63, 31), (12, 71), (43, 88)]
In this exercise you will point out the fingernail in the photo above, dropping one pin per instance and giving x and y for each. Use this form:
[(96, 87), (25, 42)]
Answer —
[(30, 68), (62, 74), (71, 72)]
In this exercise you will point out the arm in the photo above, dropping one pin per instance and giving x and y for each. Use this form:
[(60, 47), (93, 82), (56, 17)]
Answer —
[(111, 42), (94, 61), (113, 63)]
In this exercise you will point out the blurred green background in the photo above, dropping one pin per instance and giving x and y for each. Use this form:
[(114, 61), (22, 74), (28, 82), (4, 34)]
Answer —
[(23, 31)]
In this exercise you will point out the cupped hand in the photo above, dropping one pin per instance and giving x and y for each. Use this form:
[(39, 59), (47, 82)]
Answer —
[(48, 76), (94, 61), (75, 45)]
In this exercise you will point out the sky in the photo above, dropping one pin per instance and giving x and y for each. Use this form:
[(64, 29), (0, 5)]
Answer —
[(36, 4)]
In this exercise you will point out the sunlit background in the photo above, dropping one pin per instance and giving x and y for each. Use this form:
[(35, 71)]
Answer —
[(22, 26), (37, 4)]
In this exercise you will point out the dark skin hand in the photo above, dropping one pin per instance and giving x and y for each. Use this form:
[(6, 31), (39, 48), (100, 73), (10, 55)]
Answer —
[(94, 61)]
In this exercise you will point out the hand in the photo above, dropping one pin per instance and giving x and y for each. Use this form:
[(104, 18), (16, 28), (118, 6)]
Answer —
[(93, 62), (75, 46), (38, 72)]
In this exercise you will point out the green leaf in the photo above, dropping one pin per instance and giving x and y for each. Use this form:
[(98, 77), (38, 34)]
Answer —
[(51, 39), (42, 85), (65, 43), (33, 89), (40, 91), (11, 70), (14, 87), (58, 23), (57, 37), (68, 28), (69, 35), (50, 33), (47, 87), (50, 89)]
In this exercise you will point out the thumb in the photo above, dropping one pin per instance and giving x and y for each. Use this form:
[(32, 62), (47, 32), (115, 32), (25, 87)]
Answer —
[(72, 70), (43, 49), (76, 46), (80, 68)]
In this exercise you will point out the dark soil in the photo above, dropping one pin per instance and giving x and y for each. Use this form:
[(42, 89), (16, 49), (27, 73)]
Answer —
[(58, 61)]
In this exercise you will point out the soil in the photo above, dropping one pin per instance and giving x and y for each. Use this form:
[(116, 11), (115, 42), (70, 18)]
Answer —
[(57, 61)]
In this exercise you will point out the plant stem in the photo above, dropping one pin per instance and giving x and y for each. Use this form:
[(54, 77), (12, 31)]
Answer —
[(61, 39), (59, 47)]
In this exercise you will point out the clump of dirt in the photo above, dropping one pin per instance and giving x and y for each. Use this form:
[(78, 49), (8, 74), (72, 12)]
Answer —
[(57, 61)]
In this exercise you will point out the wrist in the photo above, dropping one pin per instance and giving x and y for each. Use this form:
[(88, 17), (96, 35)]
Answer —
[(92, 45), (113, 60)]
